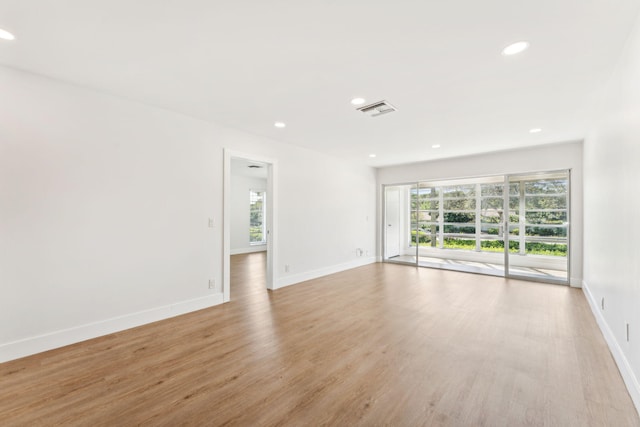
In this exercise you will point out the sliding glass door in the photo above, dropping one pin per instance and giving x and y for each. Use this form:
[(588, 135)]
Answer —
[(514, 226), (538, 224), (462, 225)]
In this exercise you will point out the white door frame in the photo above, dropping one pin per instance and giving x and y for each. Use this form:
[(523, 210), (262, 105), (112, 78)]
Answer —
[(272, 219), (387, 220)]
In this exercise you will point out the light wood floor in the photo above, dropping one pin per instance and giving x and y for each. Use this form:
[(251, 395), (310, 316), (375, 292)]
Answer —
[(378, 345)]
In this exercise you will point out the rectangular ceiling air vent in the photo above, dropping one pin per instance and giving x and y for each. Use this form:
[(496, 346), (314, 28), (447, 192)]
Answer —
[(378, 108)]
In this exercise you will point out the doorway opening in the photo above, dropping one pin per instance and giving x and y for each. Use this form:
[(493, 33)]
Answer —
[(249, 218)]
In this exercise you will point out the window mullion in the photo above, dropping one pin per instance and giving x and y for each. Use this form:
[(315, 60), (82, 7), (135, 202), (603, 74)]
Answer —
[(521, 220), (441, 216), (478, 218)]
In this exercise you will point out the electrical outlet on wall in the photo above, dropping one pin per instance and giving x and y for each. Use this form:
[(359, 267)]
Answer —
[(602, 303), (286, 268), (212, 283), (210, 222)]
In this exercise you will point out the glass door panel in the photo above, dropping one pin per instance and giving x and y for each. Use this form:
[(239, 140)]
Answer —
[(462, 225), (428, 211), (538, 225)]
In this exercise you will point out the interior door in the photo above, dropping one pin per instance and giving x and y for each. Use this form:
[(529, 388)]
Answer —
[(392, 222)]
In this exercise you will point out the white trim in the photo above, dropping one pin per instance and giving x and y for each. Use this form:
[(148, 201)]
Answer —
[(249, 250), (49, 341), (314, 274), (630, 380), (575, 282)]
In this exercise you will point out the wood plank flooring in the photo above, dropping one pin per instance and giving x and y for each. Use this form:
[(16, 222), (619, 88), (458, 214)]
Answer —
[(378, 345)]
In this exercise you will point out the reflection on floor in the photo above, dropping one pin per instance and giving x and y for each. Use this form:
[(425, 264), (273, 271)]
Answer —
[(481, 267)]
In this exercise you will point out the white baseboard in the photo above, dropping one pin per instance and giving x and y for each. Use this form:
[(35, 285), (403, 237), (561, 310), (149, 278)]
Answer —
[(630, 380), (249, 250), (314, 274), (32, 345)]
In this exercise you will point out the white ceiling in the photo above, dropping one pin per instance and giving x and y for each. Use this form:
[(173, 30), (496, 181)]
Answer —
[(247, 64)]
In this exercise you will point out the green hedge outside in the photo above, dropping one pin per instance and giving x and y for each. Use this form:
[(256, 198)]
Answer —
[(532, 248)]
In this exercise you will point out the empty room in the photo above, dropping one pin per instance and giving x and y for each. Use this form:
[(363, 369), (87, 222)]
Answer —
[(319, 213)]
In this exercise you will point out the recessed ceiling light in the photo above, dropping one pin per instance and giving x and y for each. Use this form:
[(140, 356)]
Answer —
[(535, 130), (515, 48), (435, 146), (372, 155), (6, 35), (279, 125), (358, 101)]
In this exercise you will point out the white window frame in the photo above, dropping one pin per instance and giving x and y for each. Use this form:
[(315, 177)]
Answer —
[(263, 211)]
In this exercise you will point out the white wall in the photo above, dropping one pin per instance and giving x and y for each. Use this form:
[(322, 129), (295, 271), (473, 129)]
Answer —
[(612, 211), (240, 186), (104, 207), (543, 158)]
